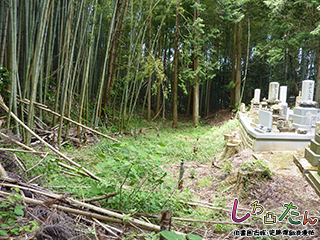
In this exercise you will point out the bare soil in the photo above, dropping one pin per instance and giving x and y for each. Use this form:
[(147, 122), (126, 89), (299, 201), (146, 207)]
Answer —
[(211, 184)]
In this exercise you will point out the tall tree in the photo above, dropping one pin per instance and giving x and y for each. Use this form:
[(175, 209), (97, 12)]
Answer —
[(238, 70), (175, 78)]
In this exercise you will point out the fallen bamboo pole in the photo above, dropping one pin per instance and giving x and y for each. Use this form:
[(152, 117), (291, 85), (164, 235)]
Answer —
[(104, 196), (67, 209), (45, 108), (68, 167), (147, 215), (45, 143), (26, 151), (16, 142), (119, 217)]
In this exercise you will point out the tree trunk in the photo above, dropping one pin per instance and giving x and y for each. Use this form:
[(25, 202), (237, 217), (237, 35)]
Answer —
[(150, 73), (195, 110), (175, 78), (234, 48), (317, 94), (159, 78), (4, 39), (238, 73)]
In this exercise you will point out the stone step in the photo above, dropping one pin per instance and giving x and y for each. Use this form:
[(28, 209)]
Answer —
[(315, 147), (303, 164), (317, 138), (312, 157), (314, 180)]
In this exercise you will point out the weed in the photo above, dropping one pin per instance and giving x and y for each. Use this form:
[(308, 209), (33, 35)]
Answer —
[(205, 181), (192, 172), (227, 167), (257, 164), (10, 210)]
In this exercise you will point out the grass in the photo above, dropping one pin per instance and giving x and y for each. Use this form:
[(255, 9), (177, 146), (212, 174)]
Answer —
[(142, 162)]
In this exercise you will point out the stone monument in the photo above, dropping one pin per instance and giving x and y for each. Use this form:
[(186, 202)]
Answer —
[(306, 115), (255, 102), (307, 94), (283, 102), (273, 92)]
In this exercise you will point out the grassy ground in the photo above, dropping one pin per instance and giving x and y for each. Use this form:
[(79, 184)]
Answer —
[(144, 171)]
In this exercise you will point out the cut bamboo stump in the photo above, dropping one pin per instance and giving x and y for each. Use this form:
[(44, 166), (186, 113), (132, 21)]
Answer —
[(246, 178), (233, 146)]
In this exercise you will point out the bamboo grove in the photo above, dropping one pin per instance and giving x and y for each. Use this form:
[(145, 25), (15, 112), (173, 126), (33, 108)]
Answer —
[(96, 60)]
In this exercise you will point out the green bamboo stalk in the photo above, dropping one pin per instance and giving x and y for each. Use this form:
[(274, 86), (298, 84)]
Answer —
[(67, 71), (50, 47), (62, 39), (86, 74), (3, 45), (38, 49), (101, 84), (1, 21), (77, 63), (13, 52)]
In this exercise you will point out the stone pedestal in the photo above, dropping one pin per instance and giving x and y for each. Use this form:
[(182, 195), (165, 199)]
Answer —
[(304, 117)]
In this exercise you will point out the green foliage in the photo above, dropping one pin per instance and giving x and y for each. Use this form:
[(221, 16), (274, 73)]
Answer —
[(227, 167), (140, 170), (251, 166), (4, 82), (205, 181), (10, 210), (173, 236)]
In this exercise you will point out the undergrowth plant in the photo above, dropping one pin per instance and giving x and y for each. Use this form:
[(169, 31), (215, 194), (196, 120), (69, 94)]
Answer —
[(10, 210)]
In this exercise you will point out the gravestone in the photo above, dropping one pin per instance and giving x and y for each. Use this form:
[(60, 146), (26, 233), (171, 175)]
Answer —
[(265, 119), (283, 94), (307, 90), (283, 102), (307, 94), (257, 95), (273, 92)]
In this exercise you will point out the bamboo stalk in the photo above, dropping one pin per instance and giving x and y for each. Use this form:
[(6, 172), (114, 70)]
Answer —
[(104, 196), (16, 142), (24, 151), (19, 162), (67, 209), (74, 122), (3, 173), (37, 163), (119, 217), (35, 178), (46, 144), (105, 227), (69, 167)]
